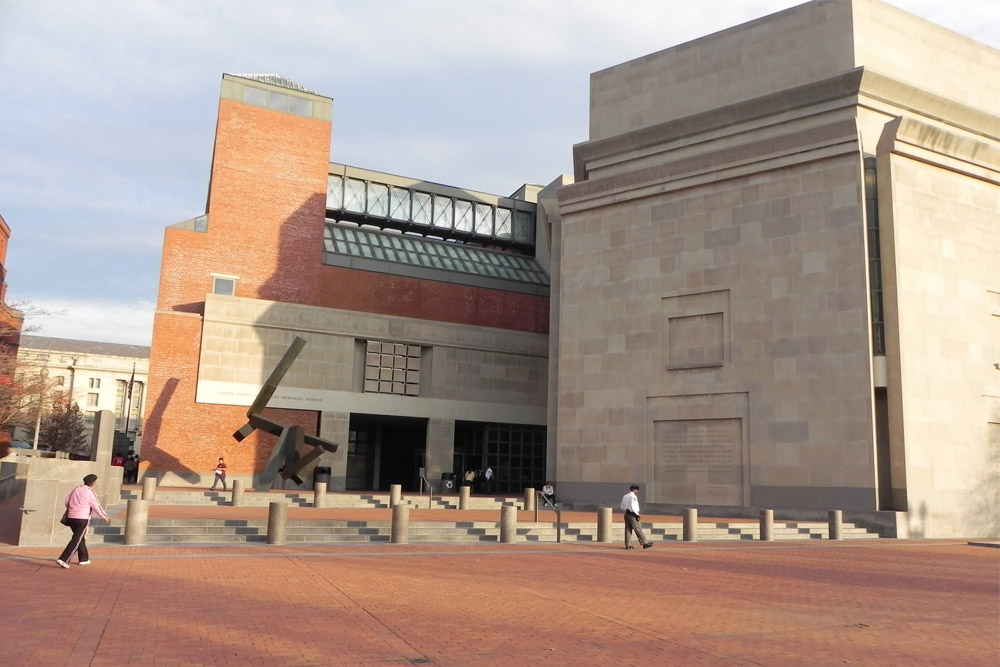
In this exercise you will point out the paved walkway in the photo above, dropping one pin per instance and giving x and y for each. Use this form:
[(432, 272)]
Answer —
[(815, 603)]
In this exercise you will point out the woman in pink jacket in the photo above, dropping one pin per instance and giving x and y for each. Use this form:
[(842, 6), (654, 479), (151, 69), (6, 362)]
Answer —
[(81, 503)]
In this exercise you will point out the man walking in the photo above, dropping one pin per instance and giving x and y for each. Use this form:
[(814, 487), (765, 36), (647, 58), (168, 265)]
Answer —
[(630, 505)]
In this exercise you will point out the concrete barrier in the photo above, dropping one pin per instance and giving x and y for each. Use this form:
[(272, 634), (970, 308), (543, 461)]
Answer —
[(836, 521), (605, 518), (277, 523), (767, 525), (319, 495), (400, 524), (691, 524), (136, 520), (508, 524), (149, 488), (464, 492), (529, 500), (237, 497), (395, 494)]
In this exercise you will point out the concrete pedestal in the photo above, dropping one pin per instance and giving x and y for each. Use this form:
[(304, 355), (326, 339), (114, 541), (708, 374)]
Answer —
[(464, 493), (136, 519), (691, 524), (604, 520), (237, 497), (508, 523), (277, 522), (400, 524), (767, 525), (319, 495)]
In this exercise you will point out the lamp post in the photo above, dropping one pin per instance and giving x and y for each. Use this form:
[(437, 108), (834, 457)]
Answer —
[(43, 373)]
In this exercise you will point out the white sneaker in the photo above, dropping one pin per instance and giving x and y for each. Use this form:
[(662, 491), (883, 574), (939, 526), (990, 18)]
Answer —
[(84, 562), (63, 563)]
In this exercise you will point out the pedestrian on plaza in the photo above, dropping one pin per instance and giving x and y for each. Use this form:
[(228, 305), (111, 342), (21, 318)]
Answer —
[(549, 491), (220, 475), (81, 503), (131, 469), (488, 476), (630, 505)]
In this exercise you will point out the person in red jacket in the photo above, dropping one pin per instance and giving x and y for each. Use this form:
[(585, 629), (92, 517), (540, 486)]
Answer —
[(220, 475), (81, 503)]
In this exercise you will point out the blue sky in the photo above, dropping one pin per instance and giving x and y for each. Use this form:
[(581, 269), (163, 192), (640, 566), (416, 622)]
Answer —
[(109, 106)]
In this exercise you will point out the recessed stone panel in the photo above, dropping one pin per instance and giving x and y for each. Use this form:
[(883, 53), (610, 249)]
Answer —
[(699, 460)]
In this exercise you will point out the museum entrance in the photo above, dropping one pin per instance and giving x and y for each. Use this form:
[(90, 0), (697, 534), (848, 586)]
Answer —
[(384, 450)]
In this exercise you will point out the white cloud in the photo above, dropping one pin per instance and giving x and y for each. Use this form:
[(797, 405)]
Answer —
[(102, 321)]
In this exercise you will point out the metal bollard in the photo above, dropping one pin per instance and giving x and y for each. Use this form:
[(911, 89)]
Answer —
[(149, 488), (237, 498), (395, 494), (767, 525), (319, 495), (836, 519), (277, 522), (529, 500), (508, 523), (136, 519), (604, 522), (691, 524), (400, 524), (463, 497)]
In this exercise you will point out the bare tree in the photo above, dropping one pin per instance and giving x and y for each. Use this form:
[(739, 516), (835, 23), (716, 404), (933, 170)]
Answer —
[(22, 391)]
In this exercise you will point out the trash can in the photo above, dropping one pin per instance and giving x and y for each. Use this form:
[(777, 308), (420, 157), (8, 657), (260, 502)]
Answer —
[(322, 474), (448, 483)]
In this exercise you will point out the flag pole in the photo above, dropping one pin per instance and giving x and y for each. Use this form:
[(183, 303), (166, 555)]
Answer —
[(128, 411)]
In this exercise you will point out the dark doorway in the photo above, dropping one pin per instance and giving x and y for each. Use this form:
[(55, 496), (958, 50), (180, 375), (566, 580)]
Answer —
[(385, 450)]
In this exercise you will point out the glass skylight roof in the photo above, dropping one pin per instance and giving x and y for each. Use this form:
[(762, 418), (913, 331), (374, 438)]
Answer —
[(421, 252)]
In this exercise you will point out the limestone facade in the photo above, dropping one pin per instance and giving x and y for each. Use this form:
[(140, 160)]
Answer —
[(778, 274)]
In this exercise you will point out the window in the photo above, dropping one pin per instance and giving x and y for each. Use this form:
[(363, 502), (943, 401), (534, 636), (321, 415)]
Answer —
[(92, 400), (95, 383), (223, 284), (271, 99), (392, 368)]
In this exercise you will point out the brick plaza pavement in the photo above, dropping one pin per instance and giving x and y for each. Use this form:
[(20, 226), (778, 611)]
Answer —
[(815, 603)]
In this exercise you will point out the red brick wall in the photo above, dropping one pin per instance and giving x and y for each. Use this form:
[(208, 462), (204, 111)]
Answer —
[(266, 212)]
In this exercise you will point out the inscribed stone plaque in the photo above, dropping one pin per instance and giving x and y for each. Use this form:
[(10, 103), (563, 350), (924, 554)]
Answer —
[(699, 460)]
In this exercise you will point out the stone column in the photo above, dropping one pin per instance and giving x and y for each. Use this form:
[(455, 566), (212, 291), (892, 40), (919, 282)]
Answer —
[(836, 519), (395, 494), (400, 524), (237, 498), (319, 495), (767, 525), (508, 523), (529, 500), (277, 522), (440, 449), (136, 519), (335, 426), (463, 497), (149, 488), (605, 520), (691, 524)]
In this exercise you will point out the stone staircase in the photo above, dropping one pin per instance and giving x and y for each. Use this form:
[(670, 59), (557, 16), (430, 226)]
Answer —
[(331, 501), (332, 531)]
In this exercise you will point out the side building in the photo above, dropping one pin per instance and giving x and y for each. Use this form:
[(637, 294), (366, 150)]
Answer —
[(96, 376), (779, 275), (425, 309)]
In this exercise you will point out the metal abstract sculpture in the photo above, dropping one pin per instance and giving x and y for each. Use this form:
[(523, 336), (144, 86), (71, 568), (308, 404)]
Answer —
[(285, 459)]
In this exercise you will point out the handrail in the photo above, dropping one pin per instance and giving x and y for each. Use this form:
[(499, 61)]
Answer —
[(539, 494), (430, 490)]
